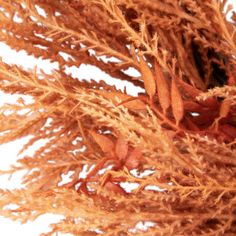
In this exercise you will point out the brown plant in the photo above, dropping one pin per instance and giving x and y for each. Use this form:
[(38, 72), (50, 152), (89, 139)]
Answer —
[(174, 143)]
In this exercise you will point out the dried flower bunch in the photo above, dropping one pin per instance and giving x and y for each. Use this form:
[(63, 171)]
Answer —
[(174, 143)]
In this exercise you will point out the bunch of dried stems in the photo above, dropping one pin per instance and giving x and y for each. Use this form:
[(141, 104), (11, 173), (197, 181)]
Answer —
[(174, 143)]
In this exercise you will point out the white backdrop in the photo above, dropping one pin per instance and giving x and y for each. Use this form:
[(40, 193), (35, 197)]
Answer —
[(8, 152)]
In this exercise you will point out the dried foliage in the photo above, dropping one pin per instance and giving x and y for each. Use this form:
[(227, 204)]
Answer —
[(174, 144)]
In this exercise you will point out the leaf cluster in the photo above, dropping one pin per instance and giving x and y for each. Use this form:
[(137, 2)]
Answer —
[(173, 145)]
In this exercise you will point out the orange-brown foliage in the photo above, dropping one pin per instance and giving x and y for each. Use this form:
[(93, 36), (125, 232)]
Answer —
[(175, 142)]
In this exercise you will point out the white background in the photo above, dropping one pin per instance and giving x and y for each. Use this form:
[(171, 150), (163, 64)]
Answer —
[(8, 152)]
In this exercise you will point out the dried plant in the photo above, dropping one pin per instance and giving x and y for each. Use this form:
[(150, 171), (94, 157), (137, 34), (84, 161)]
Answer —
[(174, 143)]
